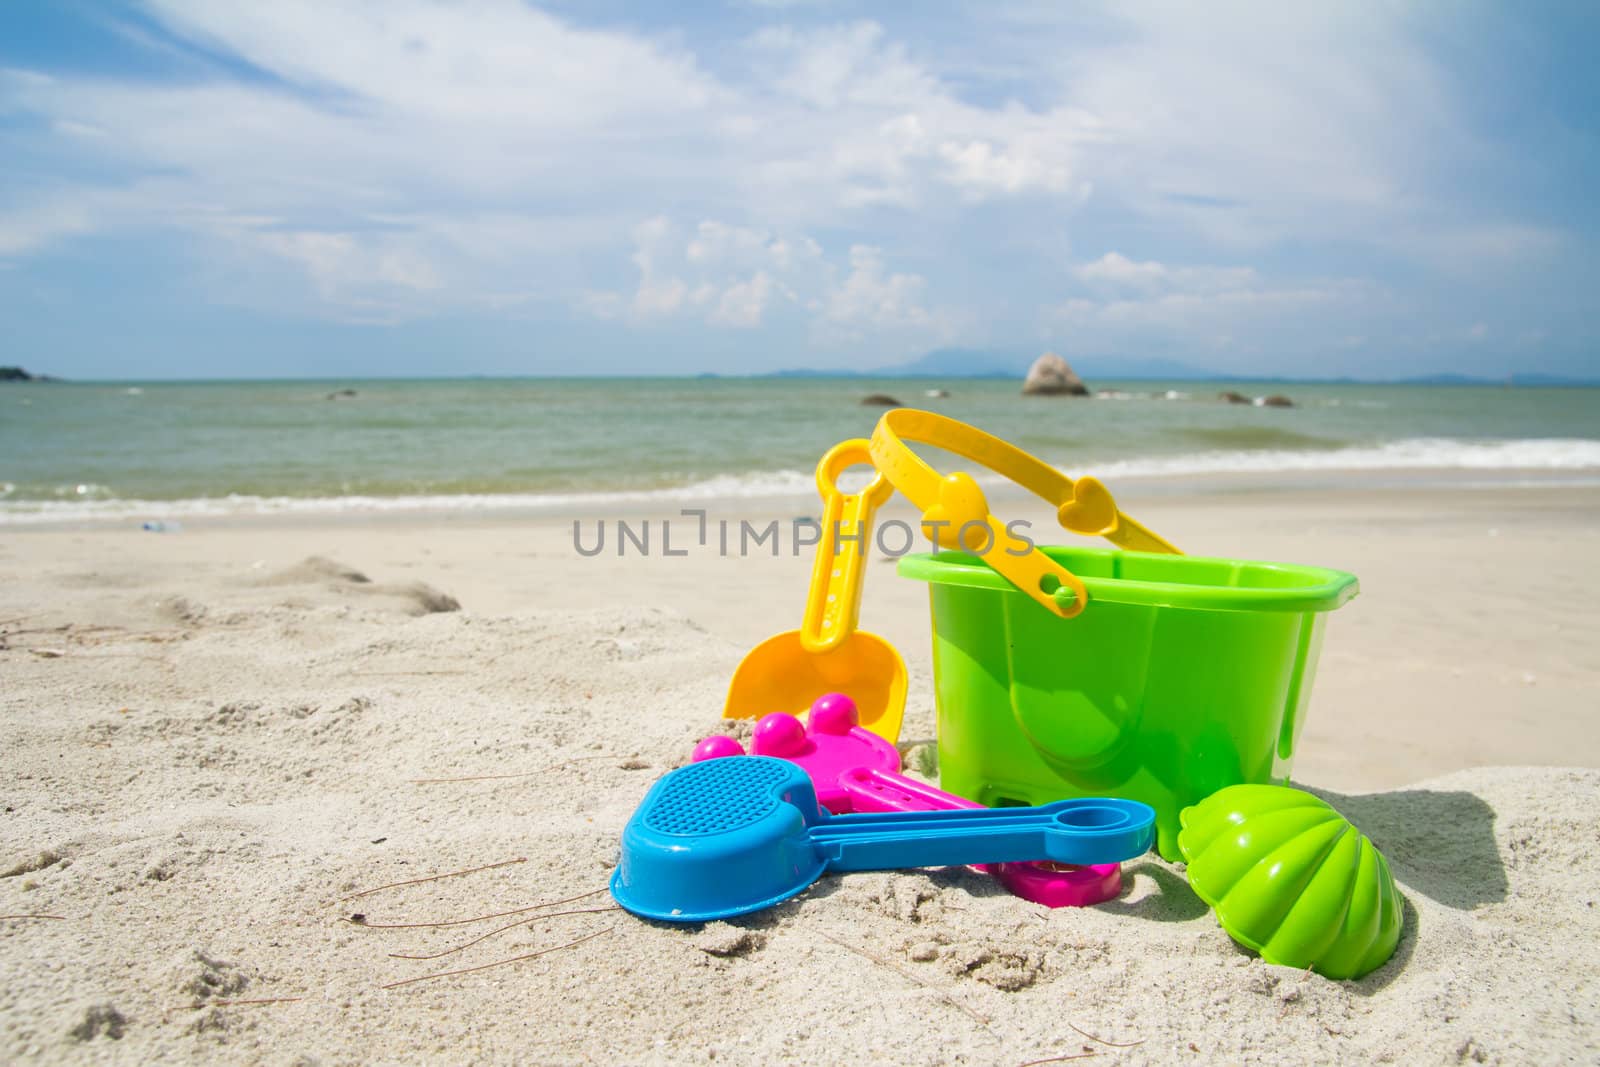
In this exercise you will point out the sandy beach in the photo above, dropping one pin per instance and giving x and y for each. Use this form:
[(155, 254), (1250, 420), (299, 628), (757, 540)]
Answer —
[(414, 414), (221, 742)]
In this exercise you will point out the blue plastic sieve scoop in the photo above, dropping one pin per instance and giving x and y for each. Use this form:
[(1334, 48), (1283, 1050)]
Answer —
[(730, 836)]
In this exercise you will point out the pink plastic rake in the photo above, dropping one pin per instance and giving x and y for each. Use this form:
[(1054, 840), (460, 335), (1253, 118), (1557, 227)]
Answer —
[(853, 769)]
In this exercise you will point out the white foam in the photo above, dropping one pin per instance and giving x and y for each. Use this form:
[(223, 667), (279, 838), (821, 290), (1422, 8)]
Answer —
[(723, 487), (1423, 454)]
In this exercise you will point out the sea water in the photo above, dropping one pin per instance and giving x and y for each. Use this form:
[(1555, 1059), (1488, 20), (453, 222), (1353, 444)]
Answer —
[(136, 449)]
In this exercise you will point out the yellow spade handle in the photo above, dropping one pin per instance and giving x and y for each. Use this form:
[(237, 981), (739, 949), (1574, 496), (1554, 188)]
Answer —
[(833, 603), (1084, 507)]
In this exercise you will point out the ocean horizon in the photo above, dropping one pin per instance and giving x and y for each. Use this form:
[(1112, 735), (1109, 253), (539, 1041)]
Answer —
[(128, 449)]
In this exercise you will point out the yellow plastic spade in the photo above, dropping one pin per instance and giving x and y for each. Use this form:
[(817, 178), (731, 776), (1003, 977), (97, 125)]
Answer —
[(788, 671)]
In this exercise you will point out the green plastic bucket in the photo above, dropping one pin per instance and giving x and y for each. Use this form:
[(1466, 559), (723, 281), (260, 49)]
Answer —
[(1183, 675)]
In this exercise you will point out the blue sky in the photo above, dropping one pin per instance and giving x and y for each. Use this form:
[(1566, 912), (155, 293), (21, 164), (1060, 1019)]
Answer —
[(195, 189)]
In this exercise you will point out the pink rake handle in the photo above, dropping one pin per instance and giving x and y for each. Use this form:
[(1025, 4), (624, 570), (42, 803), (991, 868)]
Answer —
[(873, 790), (854, 770)]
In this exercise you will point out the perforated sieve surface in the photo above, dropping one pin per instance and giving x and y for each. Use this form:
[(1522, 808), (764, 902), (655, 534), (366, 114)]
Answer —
[(717, 795)]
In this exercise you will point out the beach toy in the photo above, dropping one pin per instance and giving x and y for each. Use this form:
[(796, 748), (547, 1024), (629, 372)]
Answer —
[(727, 837), (1184, 676), (1164, 677), (1290, 878), (843, 760), (828, 654), (853, 770), (955, 513)]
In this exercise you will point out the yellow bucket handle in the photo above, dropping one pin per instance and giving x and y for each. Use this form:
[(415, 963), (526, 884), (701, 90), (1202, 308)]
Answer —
[(956, 515), (833, 603)]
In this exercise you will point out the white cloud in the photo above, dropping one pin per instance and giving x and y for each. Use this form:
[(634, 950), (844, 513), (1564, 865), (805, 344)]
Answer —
[(1116, 271), (718, 243), (485, 63), (850, 65), (870, 296), (1247, 125), (339, 260), (980, 167), (862, 123), (43, 221), (488, 107), (1202, 306), (412, 163), (704, 275), (416, 163), (499, 105), (743, 303), (400, 159), (658, 293), (659, 296)]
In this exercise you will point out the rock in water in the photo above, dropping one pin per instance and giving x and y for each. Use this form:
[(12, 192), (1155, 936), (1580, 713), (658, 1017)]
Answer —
[(1276, 401), (1233, 398), (1050, 376), (880, 400)]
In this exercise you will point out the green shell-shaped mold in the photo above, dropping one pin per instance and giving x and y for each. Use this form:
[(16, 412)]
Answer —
[(1289, 877)]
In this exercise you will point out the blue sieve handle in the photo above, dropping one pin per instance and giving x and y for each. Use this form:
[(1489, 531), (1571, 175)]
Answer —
[(1084, 831)]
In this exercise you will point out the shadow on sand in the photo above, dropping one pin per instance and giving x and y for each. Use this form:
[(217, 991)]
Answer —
[(1174, 901), (1438, 844)]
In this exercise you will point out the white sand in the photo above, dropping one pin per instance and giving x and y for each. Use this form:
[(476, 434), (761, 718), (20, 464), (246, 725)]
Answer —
[(209, 742)]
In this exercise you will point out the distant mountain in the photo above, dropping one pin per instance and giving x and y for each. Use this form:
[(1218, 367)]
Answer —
[(17, 374), (1157, 369), (1447, 379), (808, 372), (1552, 380), (1014, 363), (1008, 364)]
